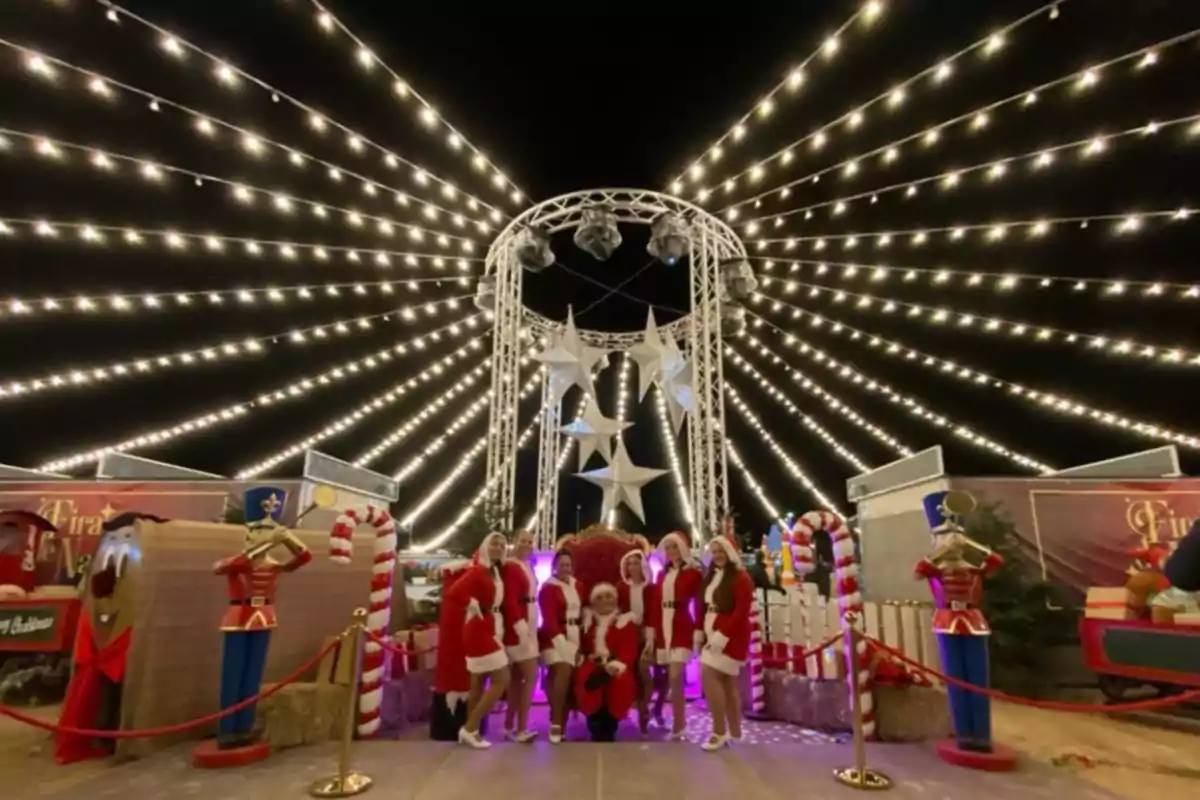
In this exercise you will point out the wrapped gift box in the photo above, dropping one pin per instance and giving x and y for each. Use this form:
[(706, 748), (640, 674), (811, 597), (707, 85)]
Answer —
[(1110, 602)]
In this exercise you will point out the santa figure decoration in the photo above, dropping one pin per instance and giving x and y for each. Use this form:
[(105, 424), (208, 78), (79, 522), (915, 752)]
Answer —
[(605, 687), (480, 591), (251, 578), (451, 680), (962, 630)]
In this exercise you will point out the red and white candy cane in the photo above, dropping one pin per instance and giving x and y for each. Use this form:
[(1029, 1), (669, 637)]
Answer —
[(800, 540), (850, 602), (379, 613), (758, 674)]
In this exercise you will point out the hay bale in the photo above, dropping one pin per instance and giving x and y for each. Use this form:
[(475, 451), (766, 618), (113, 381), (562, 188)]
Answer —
[(818, 704), (302, 713), (911, 713)]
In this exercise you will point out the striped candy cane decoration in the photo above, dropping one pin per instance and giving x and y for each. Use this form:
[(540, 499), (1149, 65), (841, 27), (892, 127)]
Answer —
[(801, 545), (379, 614), (850, 602), (758, 675)]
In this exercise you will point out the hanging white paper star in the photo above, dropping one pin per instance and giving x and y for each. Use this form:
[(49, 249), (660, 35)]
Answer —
[(679, 394), (594, 433), (561, 364), (622, 482), (648, 354), (579, 373)]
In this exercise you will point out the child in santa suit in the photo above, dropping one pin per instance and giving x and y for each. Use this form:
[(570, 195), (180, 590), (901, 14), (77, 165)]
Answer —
[(728, 597), (605, 687), (480, 590), (637, 596), (560, 603), (676, 634), (520, 636)]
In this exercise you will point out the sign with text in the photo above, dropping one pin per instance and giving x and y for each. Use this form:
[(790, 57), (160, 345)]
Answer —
[(37, 625)]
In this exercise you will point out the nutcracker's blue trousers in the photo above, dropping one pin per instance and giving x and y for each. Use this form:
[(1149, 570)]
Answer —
[(966, 657), (242, 660)]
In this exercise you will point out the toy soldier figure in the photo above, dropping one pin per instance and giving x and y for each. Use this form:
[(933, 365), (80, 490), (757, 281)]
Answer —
[(250, 618), (962, 630)]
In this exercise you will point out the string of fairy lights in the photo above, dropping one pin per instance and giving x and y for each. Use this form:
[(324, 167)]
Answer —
[(255, 145), (430, 119), (670, 444), (622, 392), (245, 195), (179, 50), (1008, 282)]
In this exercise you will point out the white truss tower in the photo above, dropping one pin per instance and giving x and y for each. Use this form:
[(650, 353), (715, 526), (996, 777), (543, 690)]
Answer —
[(713, 245), (550, 443)]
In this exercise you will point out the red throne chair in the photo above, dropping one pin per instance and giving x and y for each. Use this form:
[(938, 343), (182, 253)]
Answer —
[(596, 553)]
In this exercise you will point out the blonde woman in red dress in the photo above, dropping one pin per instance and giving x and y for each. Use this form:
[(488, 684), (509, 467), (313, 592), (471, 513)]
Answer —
[(637, 597), (520, 636), (560, 602), (677, 634), (728, 597)]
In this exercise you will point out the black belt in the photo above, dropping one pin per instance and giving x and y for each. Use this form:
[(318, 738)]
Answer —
[(496, 609), (253, 601), (527, 600), (600, 660), (669, 604), (570, 621), (711, 609)]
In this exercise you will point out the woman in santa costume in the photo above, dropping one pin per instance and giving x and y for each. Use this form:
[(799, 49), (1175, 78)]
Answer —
[(728, 598), (676, 634), (481, 591), (636, 596), (561, 606), (520, 637), (605, 687)]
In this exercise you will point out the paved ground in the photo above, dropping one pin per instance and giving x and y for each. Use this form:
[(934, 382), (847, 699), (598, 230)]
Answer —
[(1138, 764)]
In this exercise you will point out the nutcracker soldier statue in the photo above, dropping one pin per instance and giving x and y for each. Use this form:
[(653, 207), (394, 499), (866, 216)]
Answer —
[(962, 630), (246, 627)]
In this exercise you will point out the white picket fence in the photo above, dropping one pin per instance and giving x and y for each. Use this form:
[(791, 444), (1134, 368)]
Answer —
[(905, 626)]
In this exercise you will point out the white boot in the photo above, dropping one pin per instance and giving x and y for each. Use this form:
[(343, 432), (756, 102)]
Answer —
[(525, 737), (715, 742), (556, 735), (472, 739)]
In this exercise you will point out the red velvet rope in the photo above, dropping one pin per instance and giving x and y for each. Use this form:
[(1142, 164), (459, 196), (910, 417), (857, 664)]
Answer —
[(180, 726), (399, 650), (803, 654), (1052, 705)]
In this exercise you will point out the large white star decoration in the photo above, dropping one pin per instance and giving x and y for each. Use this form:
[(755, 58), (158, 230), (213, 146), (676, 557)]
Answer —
[(680, 396), (622, 482), (648, 355), (594, 433), (570, 362)]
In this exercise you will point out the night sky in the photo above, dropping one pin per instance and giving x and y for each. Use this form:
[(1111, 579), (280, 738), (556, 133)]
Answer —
[(622, 95)]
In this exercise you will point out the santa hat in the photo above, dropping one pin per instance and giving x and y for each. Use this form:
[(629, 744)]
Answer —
[(681, 541), (729, 545), (645, 565), (481, 555), (601, 588)]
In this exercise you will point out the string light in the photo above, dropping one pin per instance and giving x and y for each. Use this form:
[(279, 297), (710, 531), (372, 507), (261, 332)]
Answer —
[(249, 297), (997, 326), (258, 146), (795, 78), (974, 120), (990, 229), (789, 463), (1087, 147), (768, 506), (296, 388), (398, 391), (831, 400), (1008, 282), (205, 354), (246, 194), (427, 114), (218, 244), (671, 445), (622, 393), (318, 122), (1034, 397), (819, 430), (564, 458)]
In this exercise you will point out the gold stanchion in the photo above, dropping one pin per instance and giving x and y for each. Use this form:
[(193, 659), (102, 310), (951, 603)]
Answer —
[(347, 783), (858, 776)]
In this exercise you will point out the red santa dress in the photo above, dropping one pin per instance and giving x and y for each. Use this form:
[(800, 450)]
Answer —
[(452, 681), (678, 591), (727, 635), (640, 599), (561, 607), (610, 643), (480, 592), (520, 610)]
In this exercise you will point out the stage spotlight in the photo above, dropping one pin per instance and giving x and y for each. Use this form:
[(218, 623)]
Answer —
[(532, 248), (668, 239), (485, 293), (733, 319), (740, 282), (597, 233)]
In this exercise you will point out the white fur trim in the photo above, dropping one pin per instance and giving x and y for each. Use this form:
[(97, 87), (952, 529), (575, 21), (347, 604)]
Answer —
[(697, 640), (454, 698), (685, 547), (473, 610), (717, 641), (676, 655), (620, 665), (600, 588), (526, 650), (481, 555), (625, 619), (565, 649), (522, 628), (645, 566), (481, 665), (720, 662), (734, 556)]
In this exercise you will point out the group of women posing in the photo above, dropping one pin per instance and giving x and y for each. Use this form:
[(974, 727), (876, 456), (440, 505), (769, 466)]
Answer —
[(603, 645)]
